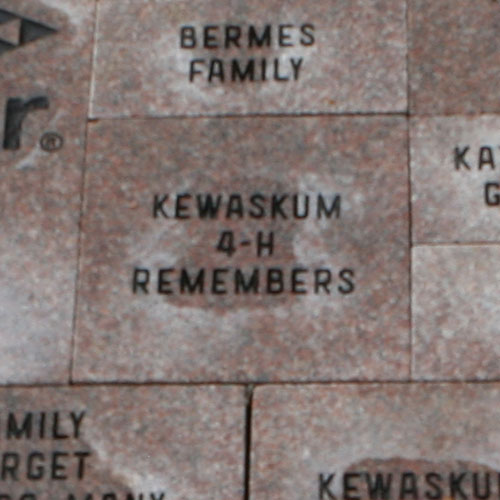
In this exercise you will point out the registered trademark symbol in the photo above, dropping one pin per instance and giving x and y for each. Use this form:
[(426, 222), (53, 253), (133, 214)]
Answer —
[(51, 141)]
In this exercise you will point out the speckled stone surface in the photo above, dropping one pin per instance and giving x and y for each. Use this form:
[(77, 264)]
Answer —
[(455, 164), (454, 56), (455, 312), (40, 190), (357, 327), (421, 434), (154, 443), (329, 56)]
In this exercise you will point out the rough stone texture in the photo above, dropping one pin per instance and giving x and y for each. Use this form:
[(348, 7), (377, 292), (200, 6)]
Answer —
[(253, 336), (185, 442), (454, 56), (448, 198), (455, 312), (357, 63), (40, 191), (301, 432)]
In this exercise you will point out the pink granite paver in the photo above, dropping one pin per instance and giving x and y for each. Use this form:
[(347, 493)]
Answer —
[(47, 74), (122, 443), (454, 56), (455, 312), (329, 302), (199, 57), (374, 441), (455, 171)]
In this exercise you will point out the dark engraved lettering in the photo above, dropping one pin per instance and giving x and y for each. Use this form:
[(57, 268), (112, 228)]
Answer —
[(257, 210), (486, 157), (262, 39), (209, 37), (250, 285), (226, 243), (19, 431), (284, 35), (380, 488), (460, 159), (307, 31), (265, 245), (164, 281), (76, 419), (10, 464), (277, 206), (297, 212), (235, 206), (208, 206), (238, 206), (351, 492), (433, 480), (296, 65), (81, 456), (324, 210), (277, 76), (248, 73), (347, 278), (140, 280), (218, 284), (192, 286), (408, 487), (325, 492), (181, 208), (483, 492), (41, 429), (159, 206), (492, 194), (216, 70), (57, 433), (456, 486), (193, 70), (35, 466), (58, 468), (274, 280), (188, 37), (298, 284), (322, 280), (233, 35)]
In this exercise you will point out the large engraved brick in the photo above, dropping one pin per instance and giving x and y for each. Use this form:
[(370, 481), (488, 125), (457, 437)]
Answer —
[(199, 57), (455, 164), (300, 274), (368, 442), (455, 312), (45, 56), (122, 443), (454, 56)]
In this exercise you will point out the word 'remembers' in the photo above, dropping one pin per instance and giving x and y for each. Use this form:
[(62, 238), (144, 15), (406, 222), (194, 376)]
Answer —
[(249, 39)]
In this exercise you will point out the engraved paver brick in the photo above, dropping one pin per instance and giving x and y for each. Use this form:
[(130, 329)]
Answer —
[(455, 165), (193, 57), (45, 58), (368, 442), (118, 443), (454, 56), (456, 316), (164, 296)]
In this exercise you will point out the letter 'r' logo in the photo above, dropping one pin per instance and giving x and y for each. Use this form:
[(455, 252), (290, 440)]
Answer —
[(15, 113), (16, 31)]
